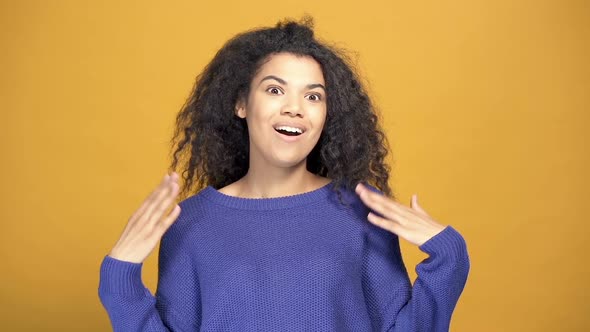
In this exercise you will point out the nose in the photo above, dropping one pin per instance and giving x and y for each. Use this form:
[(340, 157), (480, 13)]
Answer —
[(292, 107)]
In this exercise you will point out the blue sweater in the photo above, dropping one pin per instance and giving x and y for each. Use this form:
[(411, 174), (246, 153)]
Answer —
[(297, 263)]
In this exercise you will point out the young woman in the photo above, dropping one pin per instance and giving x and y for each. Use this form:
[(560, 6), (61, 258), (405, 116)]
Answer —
[(284, 231)]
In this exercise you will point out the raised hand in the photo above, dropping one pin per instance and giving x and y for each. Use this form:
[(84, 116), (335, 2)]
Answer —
[(412, 224), (149, 223)]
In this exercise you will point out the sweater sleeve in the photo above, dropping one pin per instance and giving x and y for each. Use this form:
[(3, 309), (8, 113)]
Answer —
[(132, 307), (394, 305)]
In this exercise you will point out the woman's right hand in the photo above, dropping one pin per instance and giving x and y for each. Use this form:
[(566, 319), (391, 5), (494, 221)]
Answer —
[(149, 223)]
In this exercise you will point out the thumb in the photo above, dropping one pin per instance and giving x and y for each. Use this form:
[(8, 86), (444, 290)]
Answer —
[(414, 204)]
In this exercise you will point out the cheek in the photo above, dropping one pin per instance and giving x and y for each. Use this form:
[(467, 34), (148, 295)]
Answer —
[(262, 108), (259, 120), (320, 119)]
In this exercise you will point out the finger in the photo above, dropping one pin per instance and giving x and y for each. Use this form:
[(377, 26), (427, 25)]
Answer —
[(148, 200), (157, 196), (166, 181), (368, 195), (160, 203), (386, 224), (383, 205), (169, 220)]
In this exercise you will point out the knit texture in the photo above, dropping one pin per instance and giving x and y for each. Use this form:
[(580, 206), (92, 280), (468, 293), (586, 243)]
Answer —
[(295, 263)]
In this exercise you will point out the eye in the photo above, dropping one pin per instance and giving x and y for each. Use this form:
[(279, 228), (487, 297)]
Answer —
[(274, 90), (315, 97)]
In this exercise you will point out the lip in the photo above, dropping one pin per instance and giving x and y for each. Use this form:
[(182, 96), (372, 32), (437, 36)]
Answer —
[(290, 124)]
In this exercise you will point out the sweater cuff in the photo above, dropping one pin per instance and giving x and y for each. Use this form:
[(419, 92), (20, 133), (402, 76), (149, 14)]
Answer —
[(120, 277), (448, 243)]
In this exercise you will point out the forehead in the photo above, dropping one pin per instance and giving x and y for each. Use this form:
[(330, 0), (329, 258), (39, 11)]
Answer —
[(292, 68)]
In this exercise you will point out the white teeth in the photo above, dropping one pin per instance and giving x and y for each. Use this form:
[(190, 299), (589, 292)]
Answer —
[(291, 129)]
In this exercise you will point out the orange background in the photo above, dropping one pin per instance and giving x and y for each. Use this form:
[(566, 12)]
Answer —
[(484, 103)]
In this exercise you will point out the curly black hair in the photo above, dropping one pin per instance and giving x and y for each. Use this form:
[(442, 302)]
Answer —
[(212, 145)]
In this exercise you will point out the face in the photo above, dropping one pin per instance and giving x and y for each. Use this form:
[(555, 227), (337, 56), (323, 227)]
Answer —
[(287, 93)]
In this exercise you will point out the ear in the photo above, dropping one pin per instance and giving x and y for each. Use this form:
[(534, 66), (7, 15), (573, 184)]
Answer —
[(241, 108)]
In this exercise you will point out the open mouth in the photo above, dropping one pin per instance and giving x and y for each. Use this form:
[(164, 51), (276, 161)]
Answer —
[(289, 131)]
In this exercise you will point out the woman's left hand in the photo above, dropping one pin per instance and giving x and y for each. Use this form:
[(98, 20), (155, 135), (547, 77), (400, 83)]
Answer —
[(412, 224)]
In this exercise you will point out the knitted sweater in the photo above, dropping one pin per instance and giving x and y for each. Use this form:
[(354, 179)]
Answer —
[(296, 263)]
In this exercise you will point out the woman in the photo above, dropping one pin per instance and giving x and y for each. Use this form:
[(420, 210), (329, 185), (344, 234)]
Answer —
[(284, 235)]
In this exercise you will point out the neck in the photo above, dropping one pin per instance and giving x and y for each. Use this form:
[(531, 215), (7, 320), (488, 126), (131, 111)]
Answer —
[(278, 182)]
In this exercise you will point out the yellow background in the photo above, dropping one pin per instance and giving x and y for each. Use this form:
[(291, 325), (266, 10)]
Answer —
[(484, 102)]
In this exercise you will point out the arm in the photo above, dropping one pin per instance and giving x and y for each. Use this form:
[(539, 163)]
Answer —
[(429, 304), (393, 303), (440, 282), (131, 306)]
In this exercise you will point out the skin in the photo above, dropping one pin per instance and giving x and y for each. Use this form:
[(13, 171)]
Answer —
[(286, 88), (148, 224), (277, 168), (412, 223)]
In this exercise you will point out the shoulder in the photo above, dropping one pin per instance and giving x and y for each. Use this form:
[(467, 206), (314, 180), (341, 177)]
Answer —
[(361, 211), (192, 210), (197, 201), (349, 192)]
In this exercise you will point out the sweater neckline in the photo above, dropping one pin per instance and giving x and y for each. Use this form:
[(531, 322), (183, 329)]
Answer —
[(271, 203)]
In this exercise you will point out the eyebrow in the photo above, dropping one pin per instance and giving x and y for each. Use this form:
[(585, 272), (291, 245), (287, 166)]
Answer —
[(282, 81)]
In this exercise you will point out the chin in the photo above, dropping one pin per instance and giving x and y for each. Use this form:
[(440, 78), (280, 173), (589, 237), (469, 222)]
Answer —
[(289, 162)]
